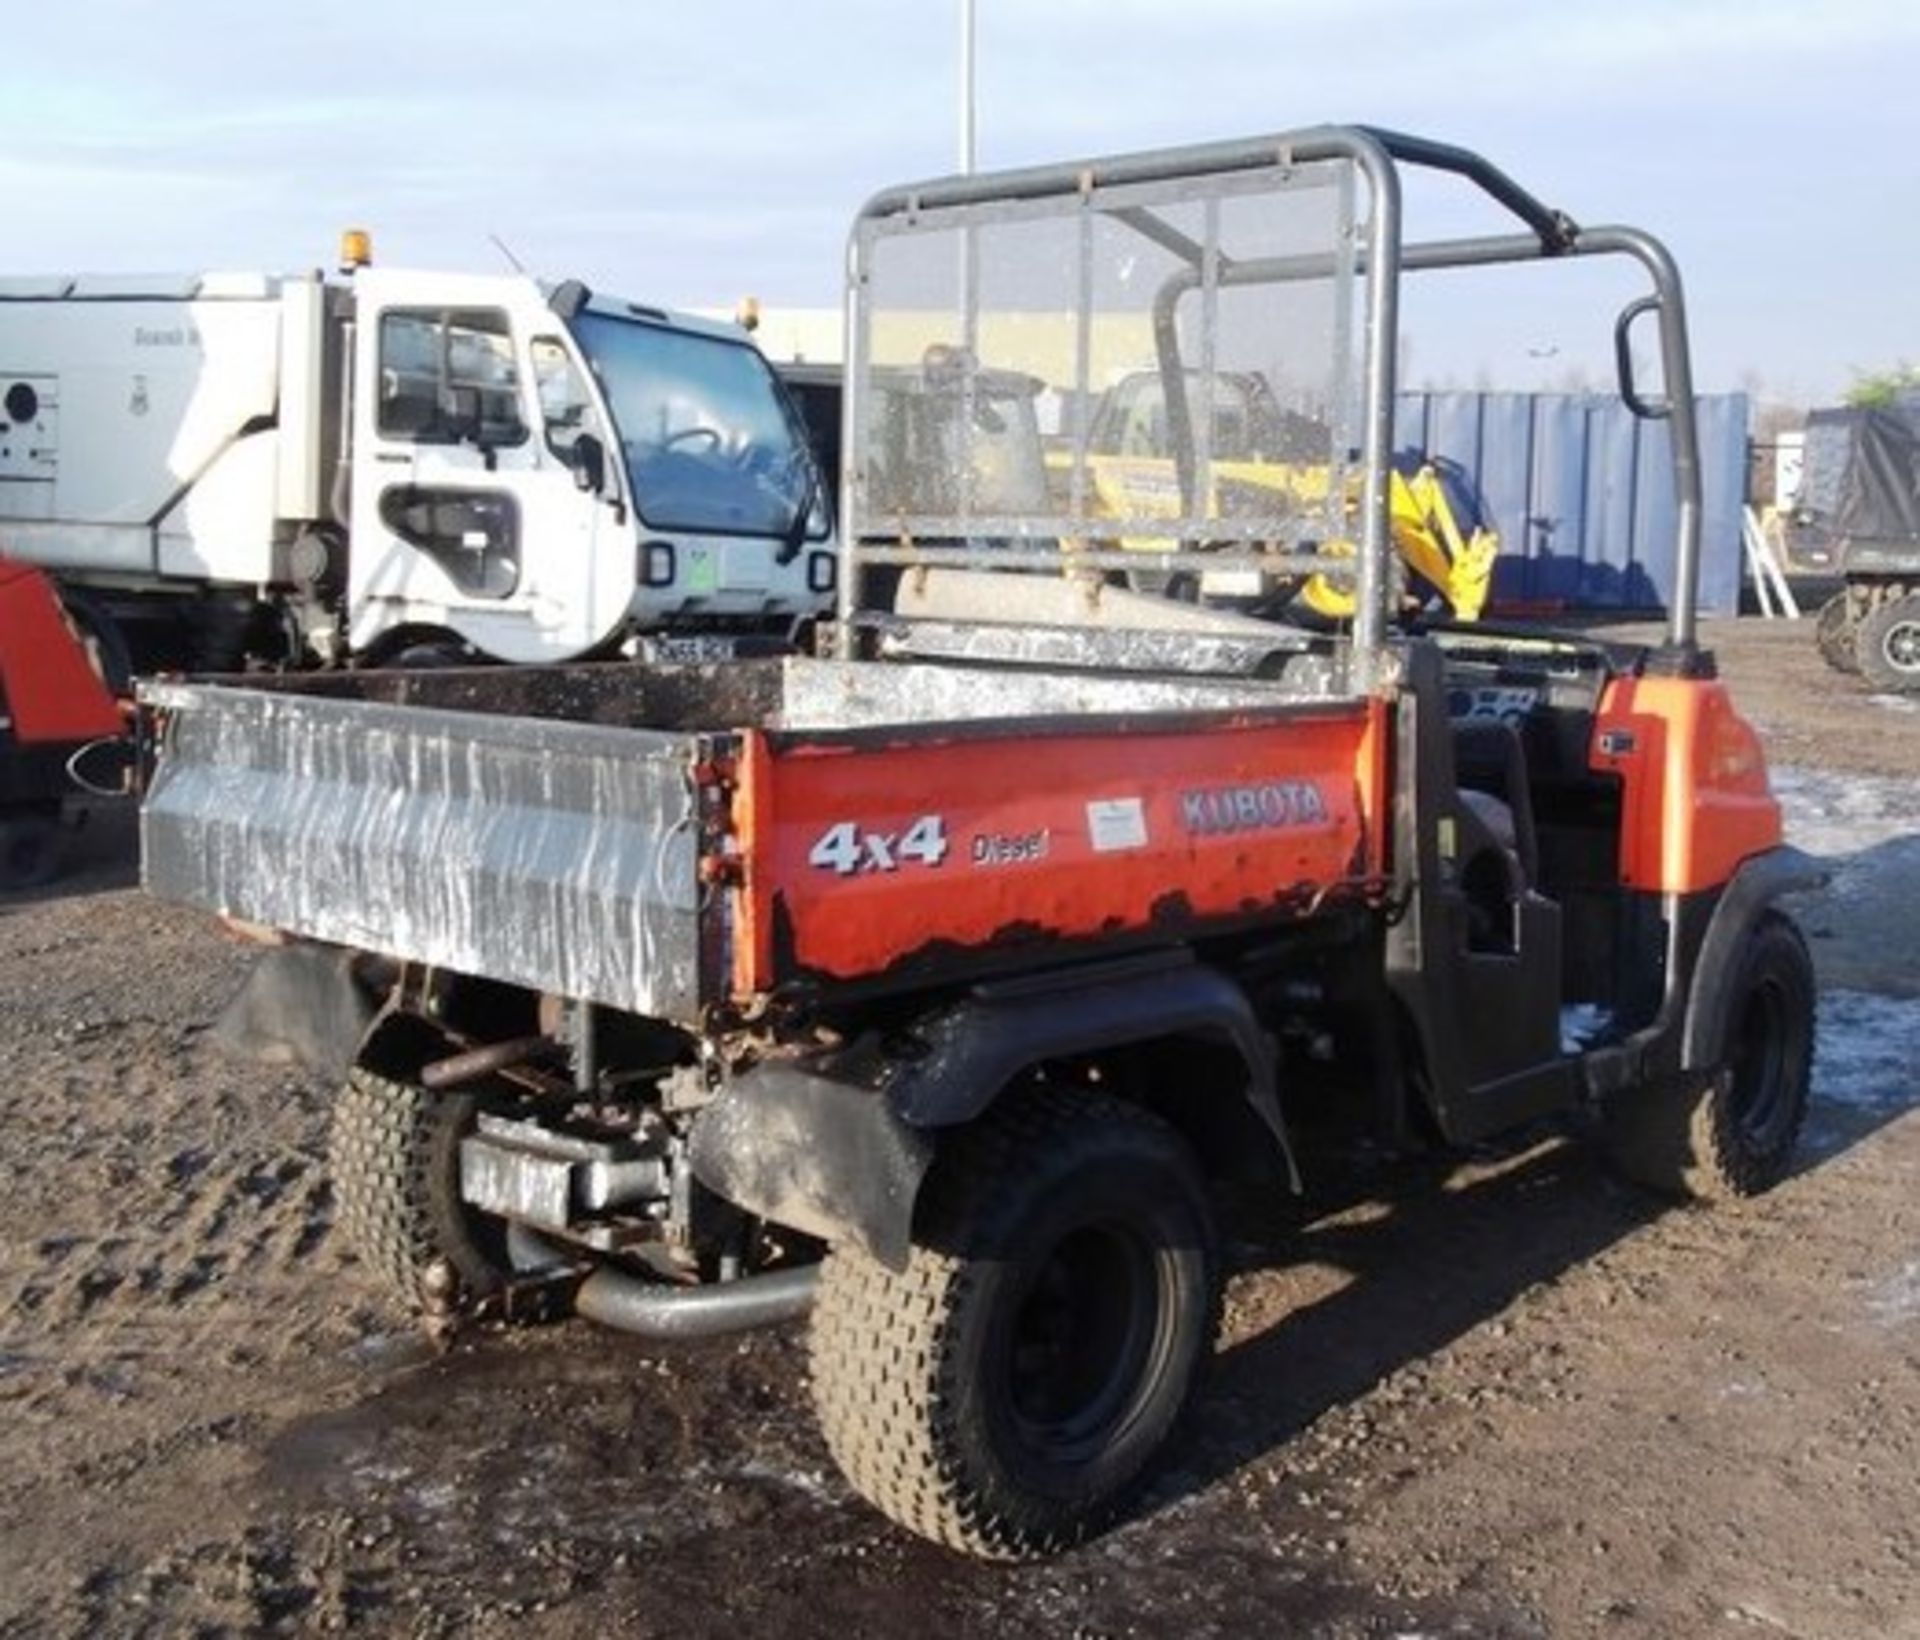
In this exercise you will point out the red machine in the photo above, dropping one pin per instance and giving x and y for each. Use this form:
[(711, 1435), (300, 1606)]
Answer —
[(54, 700)]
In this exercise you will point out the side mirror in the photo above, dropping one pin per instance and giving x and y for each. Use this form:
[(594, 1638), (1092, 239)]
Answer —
[(589, 458)]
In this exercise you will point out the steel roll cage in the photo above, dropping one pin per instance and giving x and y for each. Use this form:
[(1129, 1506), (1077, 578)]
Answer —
[(1377, 155)]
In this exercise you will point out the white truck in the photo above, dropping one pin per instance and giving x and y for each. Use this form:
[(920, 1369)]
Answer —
[(231, 469)]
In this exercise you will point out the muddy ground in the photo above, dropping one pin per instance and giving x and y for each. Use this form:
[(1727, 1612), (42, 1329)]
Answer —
[(1493, 1394)]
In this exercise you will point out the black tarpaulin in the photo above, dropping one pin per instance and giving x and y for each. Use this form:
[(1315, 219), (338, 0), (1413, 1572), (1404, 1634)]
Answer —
[(1863, 474)]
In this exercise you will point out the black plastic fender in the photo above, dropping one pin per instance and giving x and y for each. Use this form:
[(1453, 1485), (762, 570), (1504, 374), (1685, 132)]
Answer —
[(1758, 883), (980, 1044), (300, 1004), (839, 1150), (797, 1144)]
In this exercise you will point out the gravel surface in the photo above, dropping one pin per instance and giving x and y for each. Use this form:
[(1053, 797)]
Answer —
[(1488, 1394)]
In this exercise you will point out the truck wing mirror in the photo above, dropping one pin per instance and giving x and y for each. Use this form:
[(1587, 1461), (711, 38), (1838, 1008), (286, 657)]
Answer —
[(589, 458)]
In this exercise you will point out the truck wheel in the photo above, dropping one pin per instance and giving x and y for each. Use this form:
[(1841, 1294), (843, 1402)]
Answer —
[(426, 657), (395, 1161), (1835, 632), (1888, 644), (29, 850), (1734, 1135), (1006, 1392)]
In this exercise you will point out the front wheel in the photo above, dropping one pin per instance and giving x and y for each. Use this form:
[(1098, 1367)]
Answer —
[(1007, 1391), (1888, 644), (1734, 1133)]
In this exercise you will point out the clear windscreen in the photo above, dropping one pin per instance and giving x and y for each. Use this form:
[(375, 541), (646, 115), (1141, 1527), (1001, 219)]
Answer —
[(1148, 370), (707, 438)]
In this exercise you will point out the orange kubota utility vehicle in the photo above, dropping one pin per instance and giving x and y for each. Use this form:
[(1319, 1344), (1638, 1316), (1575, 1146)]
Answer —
[(931, 982)]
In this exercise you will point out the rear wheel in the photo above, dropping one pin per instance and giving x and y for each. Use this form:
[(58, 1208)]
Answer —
[(1834, 632), (1734, 1134), (395, 1162), (1008, 1390), (1888, 644)]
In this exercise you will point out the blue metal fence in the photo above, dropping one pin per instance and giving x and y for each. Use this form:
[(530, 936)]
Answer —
[(1581, 493)]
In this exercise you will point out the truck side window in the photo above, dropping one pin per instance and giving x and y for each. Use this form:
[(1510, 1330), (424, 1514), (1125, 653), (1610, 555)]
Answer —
[(565, 405), (447, 376)]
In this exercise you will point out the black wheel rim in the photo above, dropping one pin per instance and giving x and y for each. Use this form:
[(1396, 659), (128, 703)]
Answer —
[(1089, 1333), (1761, 1094)]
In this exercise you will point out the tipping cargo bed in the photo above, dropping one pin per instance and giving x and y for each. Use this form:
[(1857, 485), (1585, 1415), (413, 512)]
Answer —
[(664, 840), (554, 855)]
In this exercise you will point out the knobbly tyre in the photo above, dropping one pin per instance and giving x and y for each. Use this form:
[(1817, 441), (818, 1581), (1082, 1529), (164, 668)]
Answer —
[(933, 982)]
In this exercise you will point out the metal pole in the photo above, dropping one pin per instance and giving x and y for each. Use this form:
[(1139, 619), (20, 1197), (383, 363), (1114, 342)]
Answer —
[(1371, 580), (966, 86), (969, 270)]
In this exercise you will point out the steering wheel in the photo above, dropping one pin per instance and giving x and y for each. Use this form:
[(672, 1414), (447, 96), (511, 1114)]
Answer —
[(711, 436)]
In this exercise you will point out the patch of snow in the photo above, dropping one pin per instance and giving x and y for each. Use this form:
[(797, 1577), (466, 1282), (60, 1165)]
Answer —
[(1866, 829), (1864, 1054), (1865, 1070), (1896, 1299), (1839, 814), (1896, 703)]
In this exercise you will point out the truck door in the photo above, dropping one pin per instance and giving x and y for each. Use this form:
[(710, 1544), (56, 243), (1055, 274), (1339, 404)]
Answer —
[(467, 514)]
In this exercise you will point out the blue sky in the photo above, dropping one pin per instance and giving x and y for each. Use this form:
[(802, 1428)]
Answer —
[(687, 154)]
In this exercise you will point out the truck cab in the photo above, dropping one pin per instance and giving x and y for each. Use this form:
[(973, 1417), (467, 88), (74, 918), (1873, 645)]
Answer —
[(538, 470), (248, 469)]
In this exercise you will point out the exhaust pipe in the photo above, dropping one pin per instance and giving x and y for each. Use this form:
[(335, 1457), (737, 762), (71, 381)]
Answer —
[(658, 1310), (652, 1310)]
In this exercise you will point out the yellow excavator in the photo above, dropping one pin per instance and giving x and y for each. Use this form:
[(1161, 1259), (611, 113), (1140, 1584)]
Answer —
[(1456, 562), (1132, 475)]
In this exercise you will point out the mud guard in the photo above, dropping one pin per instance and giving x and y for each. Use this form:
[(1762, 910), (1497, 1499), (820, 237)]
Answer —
[(826, 1157), (840, 1154), (305, 1005), (1760, 881)]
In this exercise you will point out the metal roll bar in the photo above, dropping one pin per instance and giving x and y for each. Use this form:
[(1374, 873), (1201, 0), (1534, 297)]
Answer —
[(1377, 156)]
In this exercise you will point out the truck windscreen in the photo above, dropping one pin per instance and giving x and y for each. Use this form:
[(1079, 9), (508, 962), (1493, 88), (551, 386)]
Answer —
[(708, 441)]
